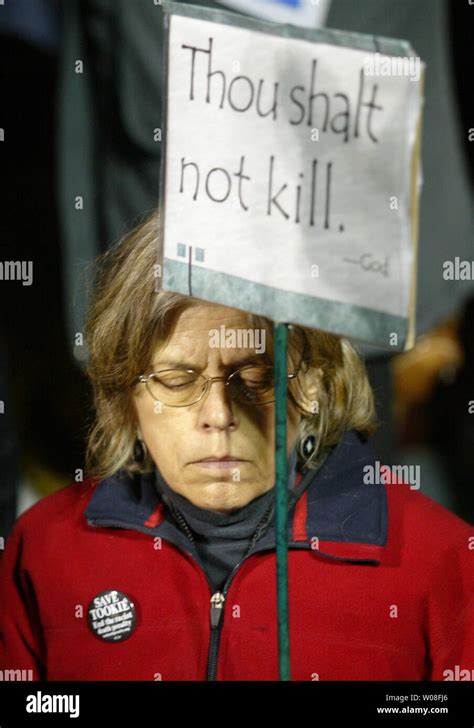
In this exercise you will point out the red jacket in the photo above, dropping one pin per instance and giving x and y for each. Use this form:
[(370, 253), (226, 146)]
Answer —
[(381, 584)]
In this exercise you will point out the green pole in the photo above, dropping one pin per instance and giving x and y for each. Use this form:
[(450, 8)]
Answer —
[(280, 333)]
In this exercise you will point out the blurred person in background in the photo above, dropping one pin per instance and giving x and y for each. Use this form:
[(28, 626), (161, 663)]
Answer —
[(451, 419)]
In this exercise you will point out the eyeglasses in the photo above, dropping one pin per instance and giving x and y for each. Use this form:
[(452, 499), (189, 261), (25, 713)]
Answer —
[(252, 384)]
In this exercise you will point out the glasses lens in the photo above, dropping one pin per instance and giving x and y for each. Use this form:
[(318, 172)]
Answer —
[(176, 387), (253, 384)]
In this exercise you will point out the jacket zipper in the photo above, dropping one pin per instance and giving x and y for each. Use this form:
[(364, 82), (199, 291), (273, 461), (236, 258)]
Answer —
[(218, 597), (217, 608), (217, 616)]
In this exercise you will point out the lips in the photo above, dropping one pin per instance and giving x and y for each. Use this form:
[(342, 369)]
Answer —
[(224, 458), (226, 461)]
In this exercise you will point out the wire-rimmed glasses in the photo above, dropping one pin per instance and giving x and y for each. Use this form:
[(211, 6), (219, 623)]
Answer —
[(180, 387)]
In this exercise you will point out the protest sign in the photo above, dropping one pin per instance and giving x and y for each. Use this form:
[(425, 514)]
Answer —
[(289, 181)]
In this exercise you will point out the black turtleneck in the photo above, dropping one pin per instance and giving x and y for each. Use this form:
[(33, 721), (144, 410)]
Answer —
[(221, 539)]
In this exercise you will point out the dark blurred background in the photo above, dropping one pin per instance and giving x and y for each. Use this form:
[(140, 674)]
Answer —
[(81, 166)]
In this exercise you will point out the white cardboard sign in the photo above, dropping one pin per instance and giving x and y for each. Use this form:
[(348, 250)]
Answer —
[(289, 179)]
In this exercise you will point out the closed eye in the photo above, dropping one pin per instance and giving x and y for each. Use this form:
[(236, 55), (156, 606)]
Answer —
[(175, 382)]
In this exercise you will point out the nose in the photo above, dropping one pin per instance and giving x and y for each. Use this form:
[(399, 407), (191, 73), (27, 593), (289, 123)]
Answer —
[(216, 405)]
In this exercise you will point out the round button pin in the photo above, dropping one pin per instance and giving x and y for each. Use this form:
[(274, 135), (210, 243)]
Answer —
[(111, 616)]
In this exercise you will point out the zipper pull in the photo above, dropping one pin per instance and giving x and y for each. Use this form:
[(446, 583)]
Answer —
[(217, 603)]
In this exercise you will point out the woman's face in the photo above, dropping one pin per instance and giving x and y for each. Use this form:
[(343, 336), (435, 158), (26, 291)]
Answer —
[(216, 426)]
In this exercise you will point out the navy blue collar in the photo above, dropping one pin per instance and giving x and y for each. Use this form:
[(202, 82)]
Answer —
[(338, 514)]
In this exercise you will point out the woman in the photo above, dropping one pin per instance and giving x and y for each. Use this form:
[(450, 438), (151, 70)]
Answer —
[(161, 564)]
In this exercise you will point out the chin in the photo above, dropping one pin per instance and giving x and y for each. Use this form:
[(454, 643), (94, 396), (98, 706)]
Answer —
[(226, 497)]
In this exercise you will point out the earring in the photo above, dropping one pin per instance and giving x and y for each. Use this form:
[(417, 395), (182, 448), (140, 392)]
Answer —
[(308, 447), (139, 451)]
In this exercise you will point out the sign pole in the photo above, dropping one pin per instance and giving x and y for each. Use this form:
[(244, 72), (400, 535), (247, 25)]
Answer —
[(280, 333)]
